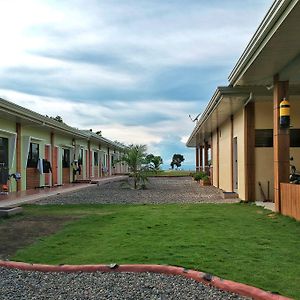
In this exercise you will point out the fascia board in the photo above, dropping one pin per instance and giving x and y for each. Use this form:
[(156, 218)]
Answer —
[(209, 108), (103, 140), (32, 116), (213, 104), (272, 21)]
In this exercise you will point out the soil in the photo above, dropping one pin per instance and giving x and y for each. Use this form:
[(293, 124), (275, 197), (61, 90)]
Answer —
[(21, 231)]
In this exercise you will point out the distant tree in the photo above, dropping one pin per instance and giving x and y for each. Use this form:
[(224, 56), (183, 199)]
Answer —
[(57, 118), (156, 161), (177, 160)]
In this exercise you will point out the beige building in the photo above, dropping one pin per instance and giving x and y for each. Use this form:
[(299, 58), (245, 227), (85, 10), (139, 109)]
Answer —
[(240, 128)]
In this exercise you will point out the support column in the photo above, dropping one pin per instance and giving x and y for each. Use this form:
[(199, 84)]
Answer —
[(52, 158), (249, 136), (201, 158), (18, 157), (231, 153), (281, 142), (108, 162), (89, 161), (206, 157), (218, 158), (211, 170), (197, 159)]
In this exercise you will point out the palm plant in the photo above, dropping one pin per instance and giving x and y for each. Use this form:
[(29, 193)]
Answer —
[(135, 158)]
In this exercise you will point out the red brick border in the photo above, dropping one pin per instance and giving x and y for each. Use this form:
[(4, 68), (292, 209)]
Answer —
[(226, 285)]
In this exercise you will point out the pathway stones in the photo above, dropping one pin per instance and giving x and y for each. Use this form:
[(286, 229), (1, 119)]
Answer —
[(160, 190)]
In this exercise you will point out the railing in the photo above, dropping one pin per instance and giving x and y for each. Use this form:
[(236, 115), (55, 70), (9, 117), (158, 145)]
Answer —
[(290, 200)]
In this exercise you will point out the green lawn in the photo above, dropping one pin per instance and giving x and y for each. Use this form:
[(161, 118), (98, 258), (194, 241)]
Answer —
[(170, 173), (236, 241)]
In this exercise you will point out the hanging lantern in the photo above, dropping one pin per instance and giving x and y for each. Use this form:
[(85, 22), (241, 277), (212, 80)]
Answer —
[(284, 114)]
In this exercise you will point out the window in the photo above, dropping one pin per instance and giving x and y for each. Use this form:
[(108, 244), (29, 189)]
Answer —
[(264, 138), (66, 158), (80, 157), (295, 137), (4, 151), (96, 158), (33, 155)]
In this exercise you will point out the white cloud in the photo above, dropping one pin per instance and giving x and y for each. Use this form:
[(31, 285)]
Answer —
[(137, 40)]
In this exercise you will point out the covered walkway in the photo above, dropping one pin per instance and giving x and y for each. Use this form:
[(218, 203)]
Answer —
[(16, 198)]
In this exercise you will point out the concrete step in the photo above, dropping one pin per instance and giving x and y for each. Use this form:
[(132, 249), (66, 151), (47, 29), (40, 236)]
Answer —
[(82, 181), (229, 195)]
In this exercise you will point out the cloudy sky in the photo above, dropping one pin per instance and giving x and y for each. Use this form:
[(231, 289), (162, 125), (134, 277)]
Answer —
[(134, 69)]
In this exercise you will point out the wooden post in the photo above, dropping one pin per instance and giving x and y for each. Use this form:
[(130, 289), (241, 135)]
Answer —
[(211, 157), (52, 157), (231, 152), (201, 158), (281, 142), (197, 158), (18, 157), (249, 137), (108, 162), (89, 162), (206, 156), (218, 158)]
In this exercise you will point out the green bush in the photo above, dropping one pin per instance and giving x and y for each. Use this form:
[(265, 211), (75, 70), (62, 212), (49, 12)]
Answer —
[(200, 175)]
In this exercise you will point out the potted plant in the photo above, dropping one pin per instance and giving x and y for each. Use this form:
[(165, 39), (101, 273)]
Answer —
[(202, 178), (205, 180)]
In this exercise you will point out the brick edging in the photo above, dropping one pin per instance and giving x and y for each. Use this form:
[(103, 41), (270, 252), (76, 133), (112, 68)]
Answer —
[(226, 285)]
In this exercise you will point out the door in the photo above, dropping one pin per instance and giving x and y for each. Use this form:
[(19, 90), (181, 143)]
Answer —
[(3, 161), (66, 163), (47, 157), (55, 165), (235, 164)]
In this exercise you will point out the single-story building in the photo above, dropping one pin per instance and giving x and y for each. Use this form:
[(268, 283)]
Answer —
[(240, 128), (45, 152)]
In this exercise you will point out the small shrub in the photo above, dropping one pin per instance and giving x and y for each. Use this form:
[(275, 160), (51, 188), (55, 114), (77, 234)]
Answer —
[(205, 177), (199, 175)]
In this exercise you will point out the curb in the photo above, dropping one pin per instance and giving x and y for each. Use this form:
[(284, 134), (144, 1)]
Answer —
[(208, 279)]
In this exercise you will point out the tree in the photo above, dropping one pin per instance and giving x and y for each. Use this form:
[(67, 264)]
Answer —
[(134, 157), (156, 161), (177, 160)]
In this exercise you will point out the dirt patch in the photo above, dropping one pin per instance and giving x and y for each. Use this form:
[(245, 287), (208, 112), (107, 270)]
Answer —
[(18, 232)]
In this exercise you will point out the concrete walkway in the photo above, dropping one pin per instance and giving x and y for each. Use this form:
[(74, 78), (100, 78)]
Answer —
[(266, 205), (16, 198)]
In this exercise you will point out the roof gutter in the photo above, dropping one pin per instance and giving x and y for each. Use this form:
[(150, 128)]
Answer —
[(205, 115)]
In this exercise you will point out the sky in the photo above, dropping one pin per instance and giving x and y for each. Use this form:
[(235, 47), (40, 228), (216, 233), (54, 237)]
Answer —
[(134, 69)]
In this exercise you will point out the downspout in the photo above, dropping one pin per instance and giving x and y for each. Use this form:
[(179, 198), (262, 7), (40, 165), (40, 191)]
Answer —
[(249, 99)]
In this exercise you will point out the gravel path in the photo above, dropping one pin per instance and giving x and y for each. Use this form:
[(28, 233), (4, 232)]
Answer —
[(15, 284), (159, 190)]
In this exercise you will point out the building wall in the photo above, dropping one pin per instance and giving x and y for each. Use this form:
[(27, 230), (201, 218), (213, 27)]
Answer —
[(225, 178), (63, 142), (239, 133), (295, 123), (264, 156), (55, 144), (41, 136), (8, 130)]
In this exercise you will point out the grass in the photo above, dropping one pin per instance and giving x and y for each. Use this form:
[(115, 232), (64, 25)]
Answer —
[(236, 241), (170, 173)]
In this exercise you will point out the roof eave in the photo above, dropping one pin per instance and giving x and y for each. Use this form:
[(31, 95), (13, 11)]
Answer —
[(273, 19)]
